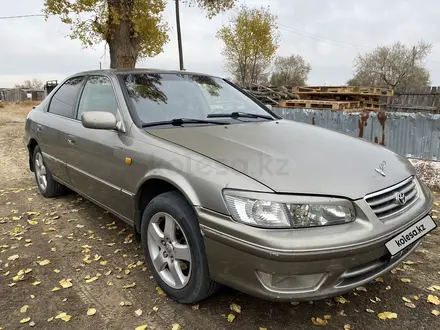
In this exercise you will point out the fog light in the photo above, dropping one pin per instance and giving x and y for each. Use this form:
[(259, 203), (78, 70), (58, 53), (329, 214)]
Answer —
[(282, 282)]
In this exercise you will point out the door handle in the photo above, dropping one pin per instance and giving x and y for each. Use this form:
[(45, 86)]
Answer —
[(71, 141), (39, 128)]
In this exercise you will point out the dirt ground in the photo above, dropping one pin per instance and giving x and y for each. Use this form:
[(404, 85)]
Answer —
[(45, 241)]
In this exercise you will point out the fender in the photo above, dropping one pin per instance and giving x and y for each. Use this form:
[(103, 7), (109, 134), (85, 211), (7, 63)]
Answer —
[(172, 177)]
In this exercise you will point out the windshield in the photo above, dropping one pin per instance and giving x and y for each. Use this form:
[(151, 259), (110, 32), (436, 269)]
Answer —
[(167, 96)]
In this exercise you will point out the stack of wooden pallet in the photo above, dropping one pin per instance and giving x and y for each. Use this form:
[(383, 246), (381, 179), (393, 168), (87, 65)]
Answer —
[(270, 95), (347, 98)]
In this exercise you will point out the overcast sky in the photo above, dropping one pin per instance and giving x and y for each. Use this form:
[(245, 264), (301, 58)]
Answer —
[(327, 33)]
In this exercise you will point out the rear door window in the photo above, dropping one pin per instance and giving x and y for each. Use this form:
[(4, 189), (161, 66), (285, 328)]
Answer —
[(64, 100)]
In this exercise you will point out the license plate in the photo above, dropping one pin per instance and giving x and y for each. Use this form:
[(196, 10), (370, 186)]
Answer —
[(411, 235)]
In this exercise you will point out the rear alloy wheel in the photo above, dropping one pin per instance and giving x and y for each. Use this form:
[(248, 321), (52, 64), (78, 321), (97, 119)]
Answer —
[(47, 186), (40, 172), (174, 248)]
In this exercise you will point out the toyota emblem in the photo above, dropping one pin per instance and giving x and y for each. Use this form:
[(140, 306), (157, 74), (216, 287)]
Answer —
[(400, 198)]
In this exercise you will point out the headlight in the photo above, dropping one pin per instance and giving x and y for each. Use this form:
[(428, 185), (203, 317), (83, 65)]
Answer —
[(301, 214)]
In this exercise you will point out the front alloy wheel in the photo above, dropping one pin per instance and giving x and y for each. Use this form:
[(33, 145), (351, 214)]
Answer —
[(174, 248), (169, 250)]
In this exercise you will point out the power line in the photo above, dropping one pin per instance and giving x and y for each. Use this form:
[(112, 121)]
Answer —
[(21, 16), (320, 38)]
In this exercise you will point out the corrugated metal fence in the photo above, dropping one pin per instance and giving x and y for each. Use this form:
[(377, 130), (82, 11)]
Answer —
[(408, 134)]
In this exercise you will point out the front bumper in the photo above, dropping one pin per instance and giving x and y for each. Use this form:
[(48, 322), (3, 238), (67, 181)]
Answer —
[(286, 265)]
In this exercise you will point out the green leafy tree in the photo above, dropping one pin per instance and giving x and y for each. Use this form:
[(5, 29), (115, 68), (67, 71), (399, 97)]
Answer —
[(290, 71), (395, 66), (132, 29), (250, 42)]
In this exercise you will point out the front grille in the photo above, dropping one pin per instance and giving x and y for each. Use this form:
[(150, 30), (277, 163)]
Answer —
[(384, 203)]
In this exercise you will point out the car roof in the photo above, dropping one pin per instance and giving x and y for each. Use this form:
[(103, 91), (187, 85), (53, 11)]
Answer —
[(139, 71)]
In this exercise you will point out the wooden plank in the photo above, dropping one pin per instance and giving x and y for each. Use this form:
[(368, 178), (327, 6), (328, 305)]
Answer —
[(316, 104), (343, 89)]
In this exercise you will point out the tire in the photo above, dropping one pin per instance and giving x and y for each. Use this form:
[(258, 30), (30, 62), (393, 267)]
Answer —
[(198, 284), (51, 188)]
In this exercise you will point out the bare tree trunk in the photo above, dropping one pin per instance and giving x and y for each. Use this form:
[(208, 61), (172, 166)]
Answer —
[(123, 45)]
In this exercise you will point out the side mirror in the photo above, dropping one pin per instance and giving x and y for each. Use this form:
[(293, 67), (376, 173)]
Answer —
[(269, 106), (98, 120)]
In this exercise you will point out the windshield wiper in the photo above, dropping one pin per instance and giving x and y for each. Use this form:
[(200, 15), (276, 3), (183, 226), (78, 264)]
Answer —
[(239, 115), (181, 121)]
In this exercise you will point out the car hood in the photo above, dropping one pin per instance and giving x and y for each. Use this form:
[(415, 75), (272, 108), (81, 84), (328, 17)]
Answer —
[(292, 157)]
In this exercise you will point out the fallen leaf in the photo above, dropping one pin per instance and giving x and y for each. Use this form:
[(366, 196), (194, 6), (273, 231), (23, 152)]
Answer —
[(294, 303), (379, 279), (342, 313), (159, 290), (435, 312), (57, 271), (13, 257), (231, 318), (36, 283), (416, 297), (369, 310), (103, 262), (91, 311), (155, 308), (406, 299), (32, 222), (327, 317), (387, 315), (236, 308), (195, 307), (433, 299), (347, 327), (66, 283), (409, 262), (24, 309), (90, 280), (361, 288), (32, 296), (388, 288), (57, 288), (44, 262), (25, 320), (141, 327), (410, 305), (341, 300), (50, 319), (32, 323), (63, 316), (128, 286), (138, 312), (405, 280), (319, 321)]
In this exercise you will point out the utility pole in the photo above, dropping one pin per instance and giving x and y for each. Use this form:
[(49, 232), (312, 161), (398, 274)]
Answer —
[(179, 36)]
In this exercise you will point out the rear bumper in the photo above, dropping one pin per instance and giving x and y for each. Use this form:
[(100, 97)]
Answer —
[(264, 269)]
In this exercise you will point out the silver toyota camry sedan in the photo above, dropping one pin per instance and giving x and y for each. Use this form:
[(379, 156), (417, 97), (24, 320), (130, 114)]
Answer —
[(221, 190)]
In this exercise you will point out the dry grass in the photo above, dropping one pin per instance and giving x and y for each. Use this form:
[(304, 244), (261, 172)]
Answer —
[(18, 107)]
